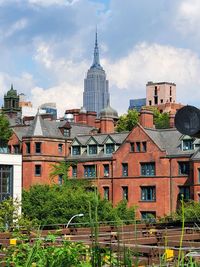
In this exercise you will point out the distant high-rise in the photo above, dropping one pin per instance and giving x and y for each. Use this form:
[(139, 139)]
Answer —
[(96, 93)]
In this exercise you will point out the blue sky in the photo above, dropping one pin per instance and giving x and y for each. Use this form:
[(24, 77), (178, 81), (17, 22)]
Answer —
[(47, 47)]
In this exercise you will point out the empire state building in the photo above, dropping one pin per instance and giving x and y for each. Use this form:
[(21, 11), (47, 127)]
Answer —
[(96, 93)]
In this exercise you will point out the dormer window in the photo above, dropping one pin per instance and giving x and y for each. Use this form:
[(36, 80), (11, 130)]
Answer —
[(92, 149), (110, 148), (187, 144), (66, 132), (76, 150), (66, 129)]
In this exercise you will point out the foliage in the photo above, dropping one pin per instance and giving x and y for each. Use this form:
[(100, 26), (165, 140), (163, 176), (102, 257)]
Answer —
[(60, 169), (57, 204), (127, 121), (42, 255), (161, 120), (11, 218), (5, 130), (8, 212), (191, 212)]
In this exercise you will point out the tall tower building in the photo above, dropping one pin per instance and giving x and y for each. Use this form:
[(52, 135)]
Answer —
[(96, 94)]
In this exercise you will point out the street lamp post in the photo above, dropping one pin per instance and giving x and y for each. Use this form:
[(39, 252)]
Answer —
[(76, 215)]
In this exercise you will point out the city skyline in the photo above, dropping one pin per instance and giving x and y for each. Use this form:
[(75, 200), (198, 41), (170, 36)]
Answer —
[(47, 48)]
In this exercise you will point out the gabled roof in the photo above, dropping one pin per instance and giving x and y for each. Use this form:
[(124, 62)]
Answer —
[(168, 140), (50, 129)]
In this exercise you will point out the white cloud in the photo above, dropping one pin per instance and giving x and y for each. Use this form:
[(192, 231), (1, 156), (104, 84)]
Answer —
[(188, 16), (52, 2), (154, 62), (65, 95)]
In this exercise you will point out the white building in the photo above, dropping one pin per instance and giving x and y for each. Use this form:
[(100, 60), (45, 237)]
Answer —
[(10, 176)]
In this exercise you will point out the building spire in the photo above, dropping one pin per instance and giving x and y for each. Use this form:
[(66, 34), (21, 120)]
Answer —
[(96, 62)]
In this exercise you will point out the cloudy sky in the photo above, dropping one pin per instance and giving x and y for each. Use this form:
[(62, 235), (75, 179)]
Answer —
[(46, 48)]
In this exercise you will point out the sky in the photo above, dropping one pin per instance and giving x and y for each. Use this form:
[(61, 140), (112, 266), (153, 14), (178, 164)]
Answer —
[(46, 48)]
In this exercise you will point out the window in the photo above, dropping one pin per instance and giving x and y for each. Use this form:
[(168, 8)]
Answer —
[(132, 147), (161, 101), (16, 149), (37, 170), (155, 90), (198, 176), (37, 147), (28, 148), (187, 144), (149, 102), (125, 192), (148, 169), (137, 146), (74, 171), (66, 132), (106, 170), (90, 171), (149, 216), (110, 148), (106, 192), (170, 91), (144, 146), (60, 179), (148, 193), (124, 169), (184, 191), (60, 148), (92, 149), (170, 99), (76, 150), (6, 181), (184, 168), (155, 100)]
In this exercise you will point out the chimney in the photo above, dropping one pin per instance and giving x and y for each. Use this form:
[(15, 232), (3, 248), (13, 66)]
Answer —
[(146, 118), (171, 119), (106, 125)]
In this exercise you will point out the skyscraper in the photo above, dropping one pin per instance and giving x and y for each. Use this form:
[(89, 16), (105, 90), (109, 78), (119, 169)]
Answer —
[(96, 94)]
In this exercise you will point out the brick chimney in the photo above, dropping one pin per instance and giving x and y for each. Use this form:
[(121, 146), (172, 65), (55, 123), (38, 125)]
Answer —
[(146, 118), (106, 125), (171, 119)]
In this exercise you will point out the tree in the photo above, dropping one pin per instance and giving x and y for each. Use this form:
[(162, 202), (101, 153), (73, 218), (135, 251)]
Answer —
[(127, 121), (5, 130), (57, 204), (161, 120)]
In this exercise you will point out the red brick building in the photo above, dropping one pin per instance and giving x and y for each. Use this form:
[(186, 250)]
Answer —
[(149, 168)]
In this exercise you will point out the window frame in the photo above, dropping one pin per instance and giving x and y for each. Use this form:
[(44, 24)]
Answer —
[(124, 169), (91, 170), (38, 149), (148, 169), (183, 168), (106, 192), (92, 149), (39, 174), (125, 192), (106, 170), (148, 193)]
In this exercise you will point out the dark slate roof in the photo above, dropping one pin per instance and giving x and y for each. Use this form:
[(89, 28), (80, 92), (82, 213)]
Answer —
[(86, 157), (118, 138), (100, 138), (20, 131), (51, 129), (168, 140)]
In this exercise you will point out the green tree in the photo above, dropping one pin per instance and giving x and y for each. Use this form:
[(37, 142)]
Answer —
[(5, 130), (127, 121), (60, 169), (161, 120), (57, 204)]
